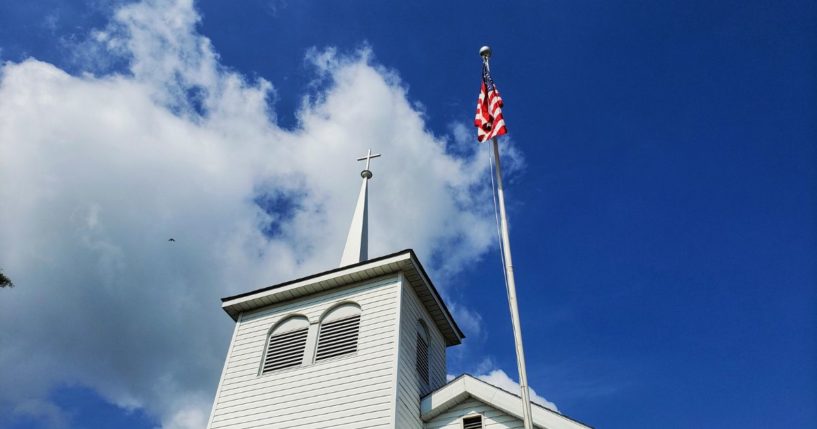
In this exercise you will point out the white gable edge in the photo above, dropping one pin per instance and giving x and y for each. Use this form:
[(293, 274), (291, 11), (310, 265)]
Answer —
[(466, 386), (404, 261)]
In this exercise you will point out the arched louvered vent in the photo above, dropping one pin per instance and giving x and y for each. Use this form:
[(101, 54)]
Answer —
[(474, 422), (339, 332), (286, 345), (422, 353)]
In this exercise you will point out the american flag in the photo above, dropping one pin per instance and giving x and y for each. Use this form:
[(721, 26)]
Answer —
[(489, 121)]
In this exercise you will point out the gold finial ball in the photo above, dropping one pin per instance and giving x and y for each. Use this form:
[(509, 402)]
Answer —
[(485, 51)]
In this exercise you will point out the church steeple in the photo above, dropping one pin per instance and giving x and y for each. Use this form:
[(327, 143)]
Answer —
[(357, 242)]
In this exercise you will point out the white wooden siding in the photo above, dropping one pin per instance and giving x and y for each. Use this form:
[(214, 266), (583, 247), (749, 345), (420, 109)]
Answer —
[(409, 391), (350, 391), (491, 417)]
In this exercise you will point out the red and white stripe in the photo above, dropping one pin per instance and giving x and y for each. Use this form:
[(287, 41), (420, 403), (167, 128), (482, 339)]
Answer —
[(489, 120)]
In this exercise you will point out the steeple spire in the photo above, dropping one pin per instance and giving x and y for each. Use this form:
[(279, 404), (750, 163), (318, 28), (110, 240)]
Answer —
[(357, 242)]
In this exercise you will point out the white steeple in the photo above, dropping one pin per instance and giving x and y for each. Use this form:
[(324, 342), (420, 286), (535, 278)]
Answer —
[(357, 242)]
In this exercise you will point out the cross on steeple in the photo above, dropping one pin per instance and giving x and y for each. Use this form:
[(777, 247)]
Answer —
[(357, 242), (366, 173)]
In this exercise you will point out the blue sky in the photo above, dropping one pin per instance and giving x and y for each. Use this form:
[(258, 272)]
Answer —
[(661, 192)]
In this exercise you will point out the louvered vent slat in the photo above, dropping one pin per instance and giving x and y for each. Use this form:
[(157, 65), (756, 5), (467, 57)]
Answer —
[(345, 321), (285, 342), (285, 350), (472, 422), (422, 358), (281, 361), (338, 337)]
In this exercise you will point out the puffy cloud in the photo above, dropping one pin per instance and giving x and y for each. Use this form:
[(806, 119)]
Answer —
[(470, 320), (44, 411), (500, 379), (97, 172)]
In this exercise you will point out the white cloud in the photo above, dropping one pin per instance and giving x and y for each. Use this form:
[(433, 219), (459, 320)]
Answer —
[(44, 411), (469, 320), (500, 379), (97, 172)]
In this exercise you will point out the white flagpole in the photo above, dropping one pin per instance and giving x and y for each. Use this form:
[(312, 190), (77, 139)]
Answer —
[(511, 283)]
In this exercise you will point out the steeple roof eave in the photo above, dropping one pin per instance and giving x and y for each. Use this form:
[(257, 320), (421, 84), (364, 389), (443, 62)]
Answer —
[(403, 261)]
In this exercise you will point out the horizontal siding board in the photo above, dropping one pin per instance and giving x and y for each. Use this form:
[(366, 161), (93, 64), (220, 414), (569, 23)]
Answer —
[(256, 353), (247, 375), (349, 391), (375, 316), (304, 416), (272, 406), (491, 417), (288, 379), (317, 300), (319, 390), (312, 310), (371, 349)]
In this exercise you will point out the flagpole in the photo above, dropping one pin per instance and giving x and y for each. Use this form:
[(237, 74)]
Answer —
[(485, 52)]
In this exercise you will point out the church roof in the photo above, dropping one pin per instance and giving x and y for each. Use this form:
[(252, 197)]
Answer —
[(404, 261), (466, 386)]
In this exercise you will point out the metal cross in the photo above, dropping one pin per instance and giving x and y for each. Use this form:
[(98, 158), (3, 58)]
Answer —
[(368, 158)]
